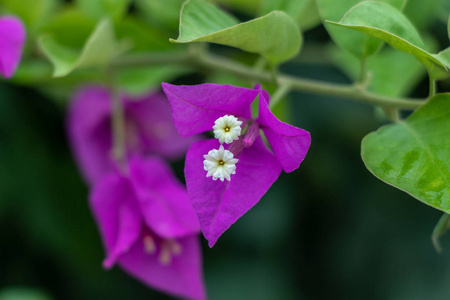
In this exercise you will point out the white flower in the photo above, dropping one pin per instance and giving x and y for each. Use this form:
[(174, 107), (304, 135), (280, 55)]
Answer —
[(227, 129), (220, 164)]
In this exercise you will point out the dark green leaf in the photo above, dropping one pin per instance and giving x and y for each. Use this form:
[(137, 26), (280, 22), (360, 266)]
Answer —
[(421, 13), (249, 7), (414, 155), (275, 36)]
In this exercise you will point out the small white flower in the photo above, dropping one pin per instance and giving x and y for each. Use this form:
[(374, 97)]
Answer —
[(227, 129), (220, 164)]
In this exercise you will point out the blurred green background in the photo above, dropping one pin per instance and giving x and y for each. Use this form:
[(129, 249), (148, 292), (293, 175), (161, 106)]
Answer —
[(329, 230)]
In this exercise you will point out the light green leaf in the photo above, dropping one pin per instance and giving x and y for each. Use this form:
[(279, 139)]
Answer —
[(414, 155), (444, 56), (274, 36), (356, 43), (99, 9), (388, 24), (439, 230), (392, 73), (304, 12), (98, 50)]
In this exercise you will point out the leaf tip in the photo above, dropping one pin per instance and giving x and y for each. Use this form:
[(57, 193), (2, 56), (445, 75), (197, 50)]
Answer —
[(436, 243)]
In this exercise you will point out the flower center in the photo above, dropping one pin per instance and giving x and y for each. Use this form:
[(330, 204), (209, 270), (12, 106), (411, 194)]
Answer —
[(227, 129), (167, 248), (220, 164)]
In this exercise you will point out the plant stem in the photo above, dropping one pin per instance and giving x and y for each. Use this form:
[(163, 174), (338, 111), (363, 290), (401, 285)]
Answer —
[(306, 85), (144, 59), (392, 114), (432, 87), (215, 62), (282, 91), (117, 123)]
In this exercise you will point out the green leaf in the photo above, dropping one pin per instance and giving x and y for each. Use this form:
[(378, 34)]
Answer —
[(388, 24), (21, 293), (163, 12), (248, 6), (356, 43), (70, 28), (99, 9), (448, 25), (439, 230), (33, 13), (414, 155), (392, 73), (304, 12), (142, 36), (38, 73), (444, 56), (421, 13), (274, 36), (98, 50), (137, 81)]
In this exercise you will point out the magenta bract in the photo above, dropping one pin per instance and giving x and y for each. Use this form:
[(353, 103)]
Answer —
[(12, 41), (149, 227), (149, 129), (219, 204)]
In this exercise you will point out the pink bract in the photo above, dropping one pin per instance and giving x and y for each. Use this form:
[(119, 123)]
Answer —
[(138, 238), (12, 41), (149, 129), (219, 204)]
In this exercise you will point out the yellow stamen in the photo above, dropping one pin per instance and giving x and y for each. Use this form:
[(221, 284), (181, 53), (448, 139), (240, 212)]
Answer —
[(149, 244), (175, 247), (165, 257)]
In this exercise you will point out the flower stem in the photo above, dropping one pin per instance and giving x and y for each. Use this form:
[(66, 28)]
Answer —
[(215, 62)]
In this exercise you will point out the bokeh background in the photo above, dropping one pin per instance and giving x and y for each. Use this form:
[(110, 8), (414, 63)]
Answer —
[(329, 230)]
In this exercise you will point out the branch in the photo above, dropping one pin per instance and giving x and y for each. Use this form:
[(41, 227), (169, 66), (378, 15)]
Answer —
[(210, 61)]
